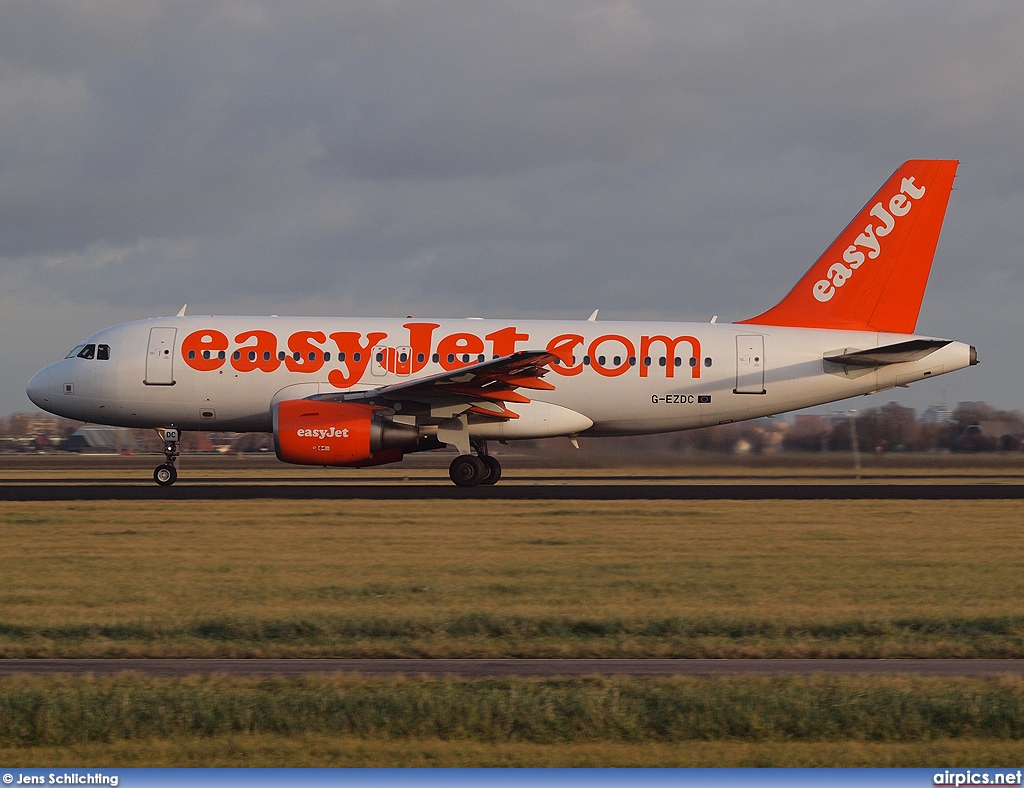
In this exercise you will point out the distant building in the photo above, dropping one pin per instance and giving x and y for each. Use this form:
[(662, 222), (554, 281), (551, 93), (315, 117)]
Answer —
[(937, 414), (99, 439), (44, 426)]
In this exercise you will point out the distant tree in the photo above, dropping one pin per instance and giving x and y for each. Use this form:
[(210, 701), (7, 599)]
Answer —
[(968, 414), (808, 433), (891, 427), (253, 441), (977, 426), (974, 439)]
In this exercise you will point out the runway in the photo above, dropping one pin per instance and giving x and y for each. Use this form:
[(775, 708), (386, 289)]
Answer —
[(491, 668), (560, 490)]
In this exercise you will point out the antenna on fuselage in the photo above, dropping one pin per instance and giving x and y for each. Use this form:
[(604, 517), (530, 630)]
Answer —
[(181, 312), (593, 316)]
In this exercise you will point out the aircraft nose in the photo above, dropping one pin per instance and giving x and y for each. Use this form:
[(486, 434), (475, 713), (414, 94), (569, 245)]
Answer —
[(38, 388)]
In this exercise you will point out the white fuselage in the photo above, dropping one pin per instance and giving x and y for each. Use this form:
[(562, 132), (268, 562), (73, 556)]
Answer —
[(616, 378)]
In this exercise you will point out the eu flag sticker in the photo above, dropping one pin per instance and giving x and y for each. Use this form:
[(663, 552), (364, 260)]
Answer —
[(703, 399)]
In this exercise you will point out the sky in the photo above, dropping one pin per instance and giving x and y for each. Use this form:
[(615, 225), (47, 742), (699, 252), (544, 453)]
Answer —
[(659, 160)]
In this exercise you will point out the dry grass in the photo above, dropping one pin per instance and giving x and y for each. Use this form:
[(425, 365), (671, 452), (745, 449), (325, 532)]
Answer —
[(475, 578), (343, 721), (318, 750), (352, 578)]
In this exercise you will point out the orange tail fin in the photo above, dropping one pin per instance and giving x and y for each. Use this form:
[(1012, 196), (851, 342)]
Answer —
[(873, 276)]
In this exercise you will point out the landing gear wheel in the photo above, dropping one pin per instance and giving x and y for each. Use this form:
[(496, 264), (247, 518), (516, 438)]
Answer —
[(165, 475), (493, 469), (467, 470)]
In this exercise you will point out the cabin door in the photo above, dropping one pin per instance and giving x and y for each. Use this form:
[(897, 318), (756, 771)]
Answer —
[(750, 364)]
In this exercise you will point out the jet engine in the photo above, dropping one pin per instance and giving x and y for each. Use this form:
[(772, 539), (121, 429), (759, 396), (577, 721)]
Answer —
[(314, 432)]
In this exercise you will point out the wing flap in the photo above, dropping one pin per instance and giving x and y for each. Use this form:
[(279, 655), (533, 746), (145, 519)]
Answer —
[(484, 388)]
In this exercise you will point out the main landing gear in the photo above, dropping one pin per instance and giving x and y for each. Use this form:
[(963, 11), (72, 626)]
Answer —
[(470, 470), (165, 475)]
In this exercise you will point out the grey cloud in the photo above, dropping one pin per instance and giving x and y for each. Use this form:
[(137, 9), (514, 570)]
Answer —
[(652, 158)]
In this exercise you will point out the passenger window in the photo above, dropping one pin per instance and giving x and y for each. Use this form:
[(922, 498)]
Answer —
[(103, 352), (89, 351)]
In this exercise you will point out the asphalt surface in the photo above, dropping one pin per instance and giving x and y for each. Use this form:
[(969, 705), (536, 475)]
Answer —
[(483, 668), (561, 491)]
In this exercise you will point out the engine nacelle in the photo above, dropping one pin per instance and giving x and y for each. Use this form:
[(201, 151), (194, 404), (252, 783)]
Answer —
[(314, 432)]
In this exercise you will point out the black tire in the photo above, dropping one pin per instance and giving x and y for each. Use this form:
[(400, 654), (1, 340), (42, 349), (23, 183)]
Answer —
[(466, 470), (492, 468), (165, 475)]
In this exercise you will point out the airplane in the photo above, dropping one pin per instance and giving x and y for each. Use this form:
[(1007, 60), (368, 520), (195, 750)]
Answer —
[(361, 392)]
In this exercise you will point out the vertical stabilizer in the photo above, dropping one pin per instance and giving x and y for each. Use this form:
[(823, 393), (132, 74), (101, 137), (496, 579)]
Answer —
[(873, 276)]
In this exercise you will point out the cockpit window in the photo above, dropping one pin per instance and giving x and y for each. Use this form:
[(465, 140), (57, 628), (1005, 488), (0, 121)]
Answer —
[(103, 352), (89, 351), (75, 351)]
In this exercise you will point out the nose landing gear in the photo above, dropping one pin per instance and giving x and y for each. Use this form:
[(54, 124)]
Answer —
[(165, 475), (468, 470)]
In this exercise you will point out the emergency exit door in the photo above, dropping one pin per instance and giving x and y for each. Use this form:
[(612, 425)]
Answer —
[(160, 358), (750, 364)]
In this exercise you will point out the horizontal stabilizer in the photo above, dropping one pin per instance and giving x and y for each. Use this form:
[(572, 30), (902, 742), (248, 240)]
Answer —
[(912, 350)]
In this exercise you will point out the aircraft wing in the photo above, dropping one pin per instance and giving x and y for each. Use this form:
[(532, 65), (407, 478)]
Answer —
[(484, 388), (912, 350)]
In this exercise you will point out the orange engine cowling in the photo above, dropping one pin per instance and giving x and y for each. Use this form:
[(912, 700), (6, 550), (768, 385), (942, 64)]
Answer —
[(312, 432)]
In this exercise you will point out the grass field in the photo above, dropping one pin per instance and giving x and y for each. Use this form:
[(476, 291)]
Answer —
[(360, 578), (515, 722), (477, 578), (319, 750)]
